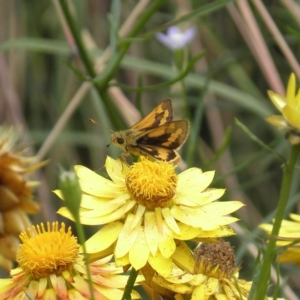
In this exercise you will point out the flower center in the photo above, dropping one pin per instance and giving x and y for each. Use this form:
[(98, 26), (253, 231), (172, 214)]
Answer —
[(215, 259), (151, 184), (47, 251)]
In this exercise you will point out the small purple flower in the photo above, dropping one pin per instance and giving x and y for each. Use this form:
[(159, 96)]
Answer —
[(176, 39)]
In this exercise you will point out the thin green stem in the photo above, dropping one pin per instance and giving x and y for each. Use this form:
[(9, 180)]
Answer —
[(192, 143), (264, 276), (110, 70), (77, 37), (130, 284), (101, 81), (81, 237)]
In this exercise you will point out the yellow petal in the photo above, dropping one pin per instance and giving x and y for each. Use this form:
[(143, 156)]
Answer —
[(90, 202), (221, 231), (190, 199), (277, 100), (292, 255), (179, 288), (295, 217), (122, 261), (116, 170), (230, 291), (87, 175), (170, 220), (291, 90), (62, 290), (139, 252), (198, 279), (292, 115), (42, 287), (179, 276), (107, 207), (90, 218), (211, 285), (266, 227), (187, 232), (166, 243), (160, 264), (199, 218), (138, 215), (75, 295), (151, 231), (222, 208), (183, 257), (105, 237), (82, 285), (213, 194), (94, 184), (109, 293), (127, 237), (279, 122), (194, 181), (199, 292), (49, 294), (221, 297), (65, 213), (294, 138)]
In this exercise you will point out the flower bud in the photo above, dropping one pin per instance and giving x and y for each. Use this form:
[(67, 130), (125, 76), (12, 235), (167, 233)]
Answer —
[(71, 191)]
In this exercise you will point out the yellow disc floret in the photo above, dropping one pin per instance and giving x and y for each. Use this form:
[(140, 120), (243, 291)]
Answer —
[(152, 184), (47, 251)]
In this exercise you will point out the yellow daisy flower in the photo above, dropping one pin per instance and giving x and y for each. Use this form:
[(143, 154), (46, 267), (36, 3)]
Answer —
[(289, 237), (16, 195), (289, 107), (50, 267), (147, 207), (215, 277)]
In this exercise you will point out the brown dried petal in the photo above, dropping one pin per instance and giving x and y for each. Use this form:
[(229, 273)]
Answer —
[(29, 206), (8, 198), (12, 180), (15, 221), (9, 245)]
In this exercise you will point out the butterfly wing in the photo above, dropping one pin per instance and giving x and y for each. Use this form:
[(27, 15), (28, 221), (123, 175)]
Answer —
[(171, 135), (161, 114), (159, 153)]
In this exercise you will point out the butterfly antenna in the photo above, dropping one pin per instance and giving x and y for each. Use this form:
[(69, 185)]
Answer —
[(94, 122)]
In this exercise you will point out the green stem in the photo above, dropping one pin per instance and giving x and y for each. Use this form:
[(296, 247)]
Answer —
[(81, 237), (130, 284), (78, 40), (101, 81), (108, 73), (85, 59), (264, 276)]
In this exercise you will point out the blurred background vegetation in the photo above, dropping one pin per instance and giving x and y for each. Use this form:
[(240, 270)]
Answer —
[(250, 47)]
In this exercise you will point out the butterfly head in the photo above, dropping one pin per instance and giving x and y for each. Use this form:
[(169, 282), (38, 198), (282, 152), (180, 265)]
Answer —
[(117, 139)]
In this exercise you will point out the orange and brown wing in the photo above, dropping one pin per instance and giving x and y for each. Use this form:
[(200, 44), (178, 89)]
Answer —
[(161, 114), (171, 135), (158, 153)]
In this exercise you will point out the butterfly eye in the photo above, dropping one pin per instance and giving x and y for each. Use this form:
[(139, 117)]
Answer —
[(120, 140)]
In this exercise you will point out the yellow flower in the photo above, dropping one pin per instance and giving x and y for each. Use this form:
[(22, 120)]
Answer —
[(147, 208), (289, 237), (50, 267), (289, 106), (215, 276), (15, 194)]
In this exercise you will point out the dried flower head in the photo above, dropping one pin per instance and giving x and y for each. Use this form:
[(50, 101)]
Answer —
[(16, 194)]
